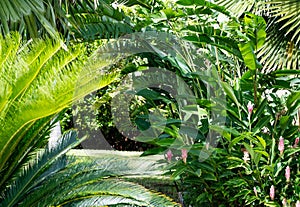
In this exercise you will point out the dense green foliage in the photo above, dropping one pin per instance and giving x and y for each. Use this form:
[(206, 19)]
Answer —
[(229, 132)]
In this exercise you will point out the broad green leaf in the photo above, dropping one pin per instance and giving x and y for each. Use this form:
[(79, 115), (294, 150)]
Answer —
[(260, 109), (185, 2), (293, 98), (236, 140), (153, 151), (255, 29), (249, 56), (249, 149)]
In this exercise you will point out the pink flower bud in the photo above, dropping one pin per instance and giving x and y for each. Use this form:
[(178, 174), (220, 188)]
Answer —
[(184, 155), (281, 145), (296, 142), (169, 155), (284, 203), (272, 192), (298, 204), (287, 173), (250, 107), (255, 191)]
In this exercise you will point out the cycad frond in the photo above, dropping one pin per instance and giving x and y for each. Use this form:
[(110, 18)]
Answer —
[(27, 179), (39, 80), (89, 183), (53, 179), (24, 17), (107, 191)]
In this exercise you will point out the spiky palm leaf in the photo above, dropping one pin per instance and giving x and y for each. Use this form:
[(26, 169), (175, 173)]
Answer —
[(37, 81), (281, 49)]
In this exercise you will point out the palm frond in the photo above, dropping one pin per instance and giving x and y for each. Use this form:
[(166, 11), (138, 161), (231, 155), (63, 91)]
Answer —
[(287, 12), (281, 49), (83, 182), (40, 79), (238, 8), (278, 52)]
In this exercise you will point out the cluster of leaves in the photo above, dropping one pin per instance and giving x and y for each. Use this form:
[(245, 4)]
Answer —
[(245, 164)]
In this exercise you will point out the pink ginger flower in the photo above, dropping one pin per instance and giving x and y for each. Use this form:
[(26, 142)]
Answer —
[(169, 155), (246, 156), (255, 191), (287, 173), (298, 203), (284, 203), (250, 107), (281, 145), (272, 192), (184, 155), (296, 142)]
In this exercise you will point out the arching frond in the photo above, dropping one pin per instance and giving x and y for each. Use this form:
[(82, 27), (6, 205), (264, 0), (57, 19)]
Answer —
[(35, 167), (52, 178), (240, 7)]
